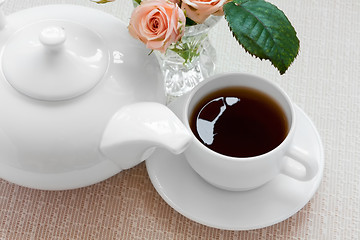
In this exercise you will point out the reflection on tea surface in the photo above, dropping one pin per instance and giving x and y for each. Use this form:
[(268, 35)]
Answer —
[(239, 122)]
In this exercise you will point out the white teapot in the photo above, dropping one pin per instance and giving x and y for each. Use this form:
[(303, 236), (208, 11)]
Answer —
[(80, 99)]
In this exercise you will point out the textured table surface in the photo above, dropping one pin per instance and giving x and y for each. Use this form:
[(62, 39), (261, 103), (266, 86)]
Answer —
[(324, 81)]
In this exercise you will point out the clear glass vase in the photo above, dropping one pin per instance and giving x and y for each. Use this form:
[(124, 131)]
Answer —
[(188, 62)]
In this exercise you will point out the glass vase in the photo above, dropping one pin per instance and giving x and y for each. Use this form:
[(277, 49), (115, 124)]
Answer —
[(189, 61)]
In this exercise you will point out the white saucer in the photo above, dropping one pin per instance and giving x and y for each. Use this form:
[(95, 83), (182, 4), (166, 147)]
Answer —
[(184, 190)]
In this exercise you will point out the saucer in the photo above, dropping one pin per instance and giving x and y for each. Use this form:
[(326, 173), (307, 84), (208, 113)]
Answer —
[(185, 191)]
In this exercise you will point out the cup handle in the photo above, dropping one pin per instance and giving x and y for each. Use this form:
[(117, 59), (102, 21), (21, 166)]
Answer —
[(303, 157)]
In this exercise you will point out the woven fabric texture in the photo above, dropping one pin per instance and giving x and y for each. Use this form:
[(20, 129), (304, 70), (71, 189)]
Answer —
[(324, 81)]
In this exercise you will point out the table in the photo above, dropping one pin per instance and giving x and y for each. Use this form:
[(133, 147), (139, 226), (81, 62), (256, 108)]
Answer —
[(324, 81)]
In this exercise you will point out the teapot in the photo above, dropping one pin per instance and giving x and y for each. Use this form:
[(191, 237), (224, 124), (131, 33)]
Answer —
[(81, 100)]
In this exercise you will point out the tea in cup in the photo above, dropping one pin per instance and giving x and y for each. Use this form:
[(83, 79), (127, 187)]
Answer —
[(243, 128)]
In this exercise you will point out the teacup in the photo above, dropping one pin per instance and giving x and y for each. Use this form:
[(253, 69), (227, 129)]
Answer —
[(137, 129), (244, 173)]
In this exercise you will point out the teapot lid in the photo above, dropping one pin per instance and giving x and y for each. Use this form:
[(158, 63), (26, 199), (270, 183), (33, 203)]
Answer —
[(54, 60)]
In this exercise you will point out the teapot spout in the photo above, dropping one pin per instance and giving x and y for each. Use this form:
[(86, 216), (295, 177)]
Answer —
[(136, 130)]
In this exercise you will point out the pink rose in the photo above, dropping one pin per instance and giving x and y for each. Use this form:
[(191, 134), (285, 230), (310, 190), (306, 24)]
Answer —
[(157, 23), (175, 1), (200, 10)]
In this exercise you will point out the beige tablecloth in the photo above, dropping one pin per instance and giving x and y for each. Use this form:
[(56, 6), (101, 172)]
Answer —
[(324, 81)]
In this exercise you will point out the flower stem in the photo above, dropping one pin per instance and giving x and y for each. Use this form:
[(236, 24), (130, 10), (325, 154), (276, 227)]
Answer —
[(188, 49)]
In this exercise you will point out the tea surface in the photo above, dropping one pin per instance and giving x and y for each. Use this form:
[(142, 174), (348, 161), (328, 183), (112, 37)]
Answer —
[(239, 122)]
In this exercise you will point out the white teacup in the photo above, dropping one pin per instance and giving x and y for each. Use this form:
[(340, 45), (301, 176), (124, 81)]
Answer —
[(244, 173)]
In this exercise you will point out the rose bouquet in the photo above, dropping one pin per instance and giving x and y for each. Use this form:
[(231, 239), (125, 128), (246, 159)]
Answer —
[(261, 28)]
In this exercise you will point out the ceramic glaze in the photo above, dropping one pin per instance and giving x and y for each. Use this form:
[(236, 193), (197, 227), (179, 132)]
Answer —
[(245, 173), (64, 77), (59, 60)]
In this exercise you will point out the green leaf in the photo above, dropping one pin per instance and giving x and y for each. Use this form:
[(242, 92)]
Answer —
[(190, 22), (264, 31)]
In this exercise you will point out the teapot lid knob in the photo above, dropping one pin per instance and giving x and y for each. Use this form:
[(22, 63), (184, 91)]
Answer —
[(52, 37)]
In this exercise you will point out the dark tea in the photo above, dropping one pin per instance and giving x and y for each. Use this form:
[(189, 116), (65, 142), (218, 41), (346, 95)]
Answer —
[(239, 122)]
